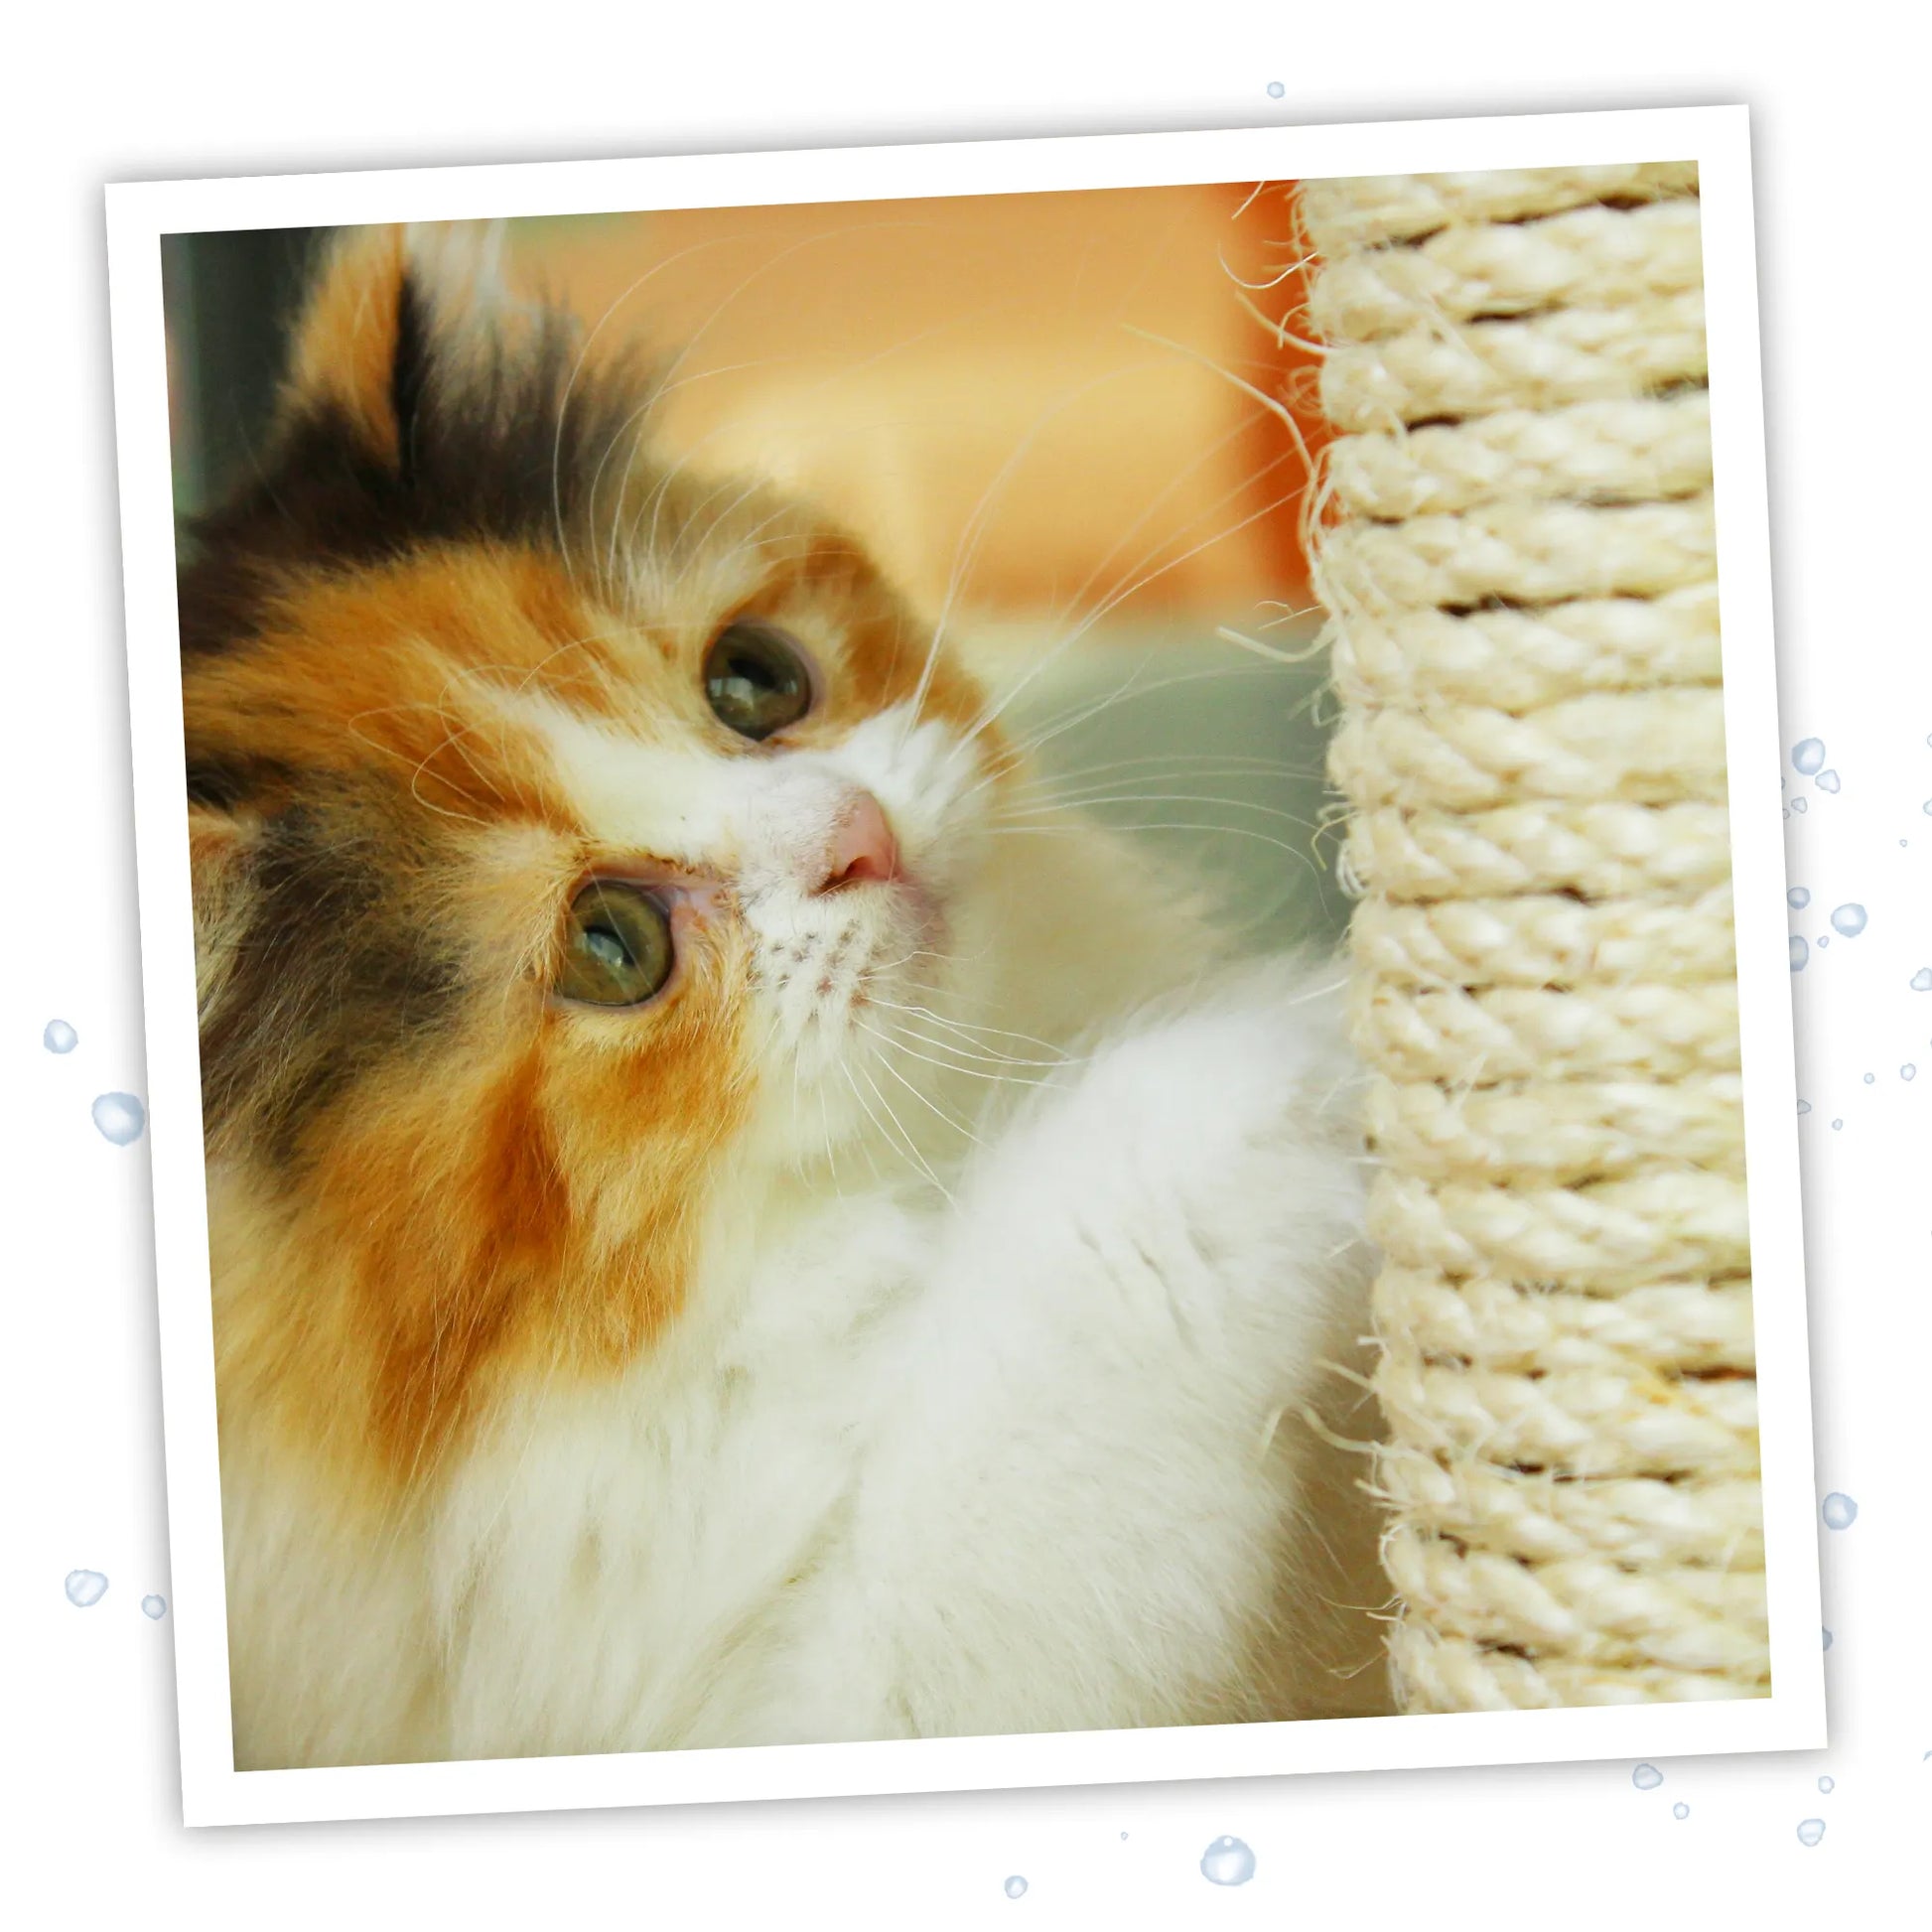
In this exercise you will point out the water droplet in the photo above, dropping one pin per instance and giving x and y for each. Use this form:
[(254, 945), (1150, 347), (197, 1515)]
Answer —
[(1227, 1861), (1922, 980), (1837, 1126), (1825, 1784), (1680, 1810), (1928, 807), (1646, 1778), (1804, 1106), (1870, 1077), (1787, 811), (1824, 938), (1827, 782), (1015, 1886), (1828, 1640), (1849, 920), (60, 1038), (1839, 1513), (1797, 898), (1811, 1830), (1275, 91), (86, 1588), (1807, 754), (1908, 1072), (1798, 804), (120, 1117), (1800, 952), (154, 1606)]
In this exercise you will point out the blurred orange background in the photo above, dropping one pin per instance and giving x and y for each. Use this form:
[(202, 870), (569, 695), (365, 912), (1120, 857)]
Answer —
[(1022, 400)]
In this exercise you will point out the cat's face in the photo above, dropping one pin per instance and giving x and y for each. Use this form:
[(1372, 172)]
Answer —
[(563, 826)]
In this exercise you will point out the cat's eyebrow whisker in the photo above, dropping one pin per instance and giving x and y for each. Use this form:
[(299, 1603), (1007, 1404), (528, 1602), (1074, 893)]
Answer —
[(686, 564), (669, 384), (973, 532), (635, 420), (844, 373), (764, 267), (577, 370)]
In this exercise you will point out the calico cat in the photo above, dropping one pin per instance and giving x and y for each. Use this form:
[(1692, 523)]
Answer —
[(711, 1244)]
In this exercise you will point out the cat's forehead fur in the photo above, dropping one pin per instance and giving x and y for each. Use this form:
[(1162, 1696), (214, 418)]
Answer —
[(442, 659)]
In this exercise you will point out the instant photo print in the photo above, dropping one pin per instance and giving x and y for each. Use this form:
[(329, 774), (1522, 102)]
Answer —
[(956, 970)]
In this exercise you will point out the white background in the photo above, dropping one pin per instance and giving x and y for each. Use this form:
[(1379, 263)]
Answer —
[(1839, 133)]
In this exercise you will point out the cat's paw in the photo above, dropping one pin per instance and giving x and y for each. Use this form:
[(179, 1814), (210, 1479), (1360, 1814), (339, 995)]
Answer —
[(1203, 1168)]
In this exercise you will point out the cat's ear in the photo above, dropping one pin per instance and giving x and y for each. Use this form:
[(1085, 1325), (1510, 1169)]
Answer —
[(395, 317)]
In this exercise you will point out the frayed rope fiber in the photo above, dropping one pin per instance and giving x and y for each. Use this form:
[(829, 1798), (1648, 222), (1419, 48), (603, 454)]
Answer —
[(1514, 549)]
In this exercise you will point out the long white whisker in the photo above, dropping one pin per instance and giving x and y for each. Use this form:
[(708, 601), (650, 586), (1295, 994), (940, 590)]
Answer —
[(884, 1061), (945, 1066)]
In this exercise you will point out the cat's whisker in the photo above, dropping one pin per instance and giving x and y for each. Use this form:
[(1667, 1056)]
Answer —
[(1116, 595), (1185, 474), (1166, 825), (902, 1031), (885, 1062), (1080, 791), (1117, 598), (945, 1066), (905, 1143), (1088, 710), (879, 1129), (1087, 801), (967, 1027)]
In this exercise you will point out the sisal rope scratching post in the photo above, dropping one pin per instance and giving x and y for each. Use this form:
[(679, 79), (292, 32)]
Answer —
[(1516, 558)]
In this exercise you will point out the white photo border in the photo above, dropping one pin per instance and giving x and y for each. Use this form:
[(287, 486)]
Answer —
[(140, 213)]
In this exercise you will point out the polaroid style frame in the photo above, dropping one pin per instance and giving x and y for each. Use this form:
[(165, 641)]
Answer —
[(139, 214)]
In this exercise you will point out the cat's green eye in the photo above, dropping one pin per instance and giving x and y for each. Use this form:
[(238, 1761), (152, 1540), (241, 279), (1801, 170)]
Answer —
[(756, 680), (616, 945)]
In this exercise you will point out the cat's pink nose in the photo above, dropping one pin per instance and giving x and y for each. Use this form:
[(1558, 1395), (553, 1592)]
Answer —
[(861, 848)]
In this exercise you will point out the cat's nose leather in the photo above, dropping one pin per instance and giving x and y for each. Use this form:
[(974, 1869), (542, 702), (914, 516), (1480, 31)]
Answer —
[(861, 847)]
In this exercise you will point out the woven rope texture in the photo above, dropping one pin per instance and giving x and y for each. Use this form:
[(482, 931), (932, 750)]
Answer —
[(1517, 562)]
